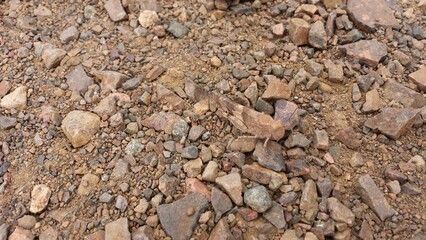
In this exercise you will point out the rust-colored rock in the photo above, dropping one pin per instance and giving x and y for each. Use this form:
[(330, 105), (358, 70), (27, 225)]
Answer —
[(419, 78), (368, 52), (299, 31)]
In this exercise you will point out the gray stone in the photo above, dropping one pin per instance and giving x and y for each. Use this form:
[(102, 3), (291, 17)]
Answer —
[(180, 129), (297, 140), (258, 199), (190, 152), (318, 36), (314, 68), (275, 215), (325, 187), (105, 198), (232, 185), (167, 185), (308, 201), (115, 10), (370, 18), (132, 83), (4, 229), (143, 233), (178, 30), (69, 34), (134, 147), (269, 156), (368, 52), (7, 122), (121, 203), (220, 202)]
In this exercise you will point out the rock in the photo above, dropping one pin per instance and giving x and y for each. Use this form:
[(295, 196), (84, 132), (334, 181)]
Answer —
[(196, 132), (315, 69), (190, 152), (161, 121), (193, 185), (155, 72), (309, 9), (258, 174), (290, 234), (7, 123), (356, 160), (410, 189), (239, 73), (297, 140), (221, 231), (394, 187), (232, 185), (317, 35), (143, 233), (356, 93), (115, 10), (269, 156), (178, 219), (132, 83), (27, 222), (393, 122), (321, 140), (169, 97), (88, 184), (211, 171), (52, 57), (298, 167), (121, 169), (398, 92), (278, 29), (105, 198), (299, 31), (286, 112), (349, 138), (372, 102), (21, 234), (373, 197), (263, 106), (5, 86), (193, 168), (330, 4), (368, 52), (419, 78), (369, 19), (4, 229), (366, 233), (178, 30), (364, 82), (221, 4), (16, 99), (335, 73), (258, 199), (78, 81), (243, 144), (69, 34), (325, 187), (275, 215), (288, 198), (42, 12), (277, 90), (220, 202), (121, 203), (180, 129), (167, 185), (117, 230), (215, 62), (237, 158), (110, 80), (134, 147), (148, 18), (40, 196), (80, 127), (418, 161), (339, 212), (308, 201)]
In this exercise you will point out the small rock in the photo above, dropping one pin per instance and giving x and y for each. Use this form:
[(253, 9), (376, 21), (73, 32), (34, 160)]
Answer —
[(297, 140), (193, 168), (190, 152), (52, 57), (221, 231), (275, 215), (4, 229), (78, 81), (308, 201), (115, 10), (21, 234), (132, 83), (148, 18), (143, 233), (180, 129), (243, 144), (167, 185), (398, 92), (366, 233), (121, 203), (220, 202), (269, 156), (299, 31), (372, 102), (286, 112), (258, 199), (110, 80), (339, 212), (210, 172), (40, 196), (117, 230), (16, 99), (298, 167), (356, 160), (88, 184), (410, 189), (80, 126), (232, 185), (325, 187), (317, 35), (349, 138), (278, 29), (419, 78), (394, 187), (215, 61), (27, 222), (335, 73), (178, 30), (69, 34), (368, 52), (321, 140), (315, 69)]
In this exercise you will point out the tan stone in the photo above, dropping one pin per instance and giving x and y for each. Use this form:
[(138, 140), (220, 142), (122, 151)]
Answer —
[(299, 31), (80, 126), (16, 99)]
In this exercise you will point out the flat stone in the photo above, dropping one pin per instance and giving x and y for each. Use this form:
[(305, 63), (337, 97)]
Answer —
[(4, 230), (78, 81), (237, 158), (52, 57), (321, 139), (221, 231), (115, 10), (193, 185), (314, 68), (69, 34), (299, 31), (297, 140), (419, 78), (335, 73), (308, 201), (373, 197), (88, 184), (409, 98), (143, 233), (177, 30), (325, 187), (134, 147), (243, 144), (298, 167), (132, 83), (178, 219), (16, 99), (366, 233), (155, 72), (290, 234), (277, 90), (232, 185), (278, 29), (372, 102), (21, 234), (410, 189), (258, 199), (275, 215), (80, 127), (167, 185), (369, 19), (110, 80), (27, 222), (258, 174), (356, 160), (40, 196), (368, 52), (356, 93), (339, 212), (349, 138), (5, 87), (220, 202), (269, 156), (393, 122), (161, 121), (318, 36), (117, 230), (7, 122), (211, 171), (287, 113)]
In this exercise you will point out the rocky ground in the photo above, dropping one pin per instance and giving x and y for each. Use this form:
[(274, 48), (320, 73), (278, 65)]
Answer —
[(213, 119)]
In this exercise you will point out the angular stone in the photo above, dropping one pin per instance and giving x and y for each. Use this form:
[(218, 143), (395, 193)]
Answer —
[(148, 18), (318, 36), (366, 233), (195, 132), (21, 234), (258, 174), (161, 121), (410, 189), (419, 78), (52, 57), (365, 82), (369, 19), (193, 168), (170, 97), (80, 126), (16, 99), (409, 98), (277, 90), (155, 72), (178, 219), (349, 138), (269, 156), (5, 86), (143, 233), (394, 187), (110, 80), (220, 202), (88, 184), (40, 196), (117, 230), (368, 52), (339, 212), (299, 31), (297, 140), (194, 185), (290, 234), (335, 73), (258, 199), (278, 29), (243, 144), (321, 139), (221, 231), (373, 197), (325, 187), (177, 30), (288, 198), (232, 185), (132, 83), (69, 34), (314, 68), (7, 122), (167, 185), (393, 122), (190, 152), (78, 81), (308, 201), (372, 102), (237, 158), (286, 112), (115, 10), (275, 215), (330, 4), (356, 93)]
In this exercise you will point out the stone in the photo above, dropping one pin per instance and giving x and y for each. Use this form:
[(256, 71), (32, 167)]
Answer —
[(88, 184), (4, 230), (339, 212), (143, 233), (368, 52), (237, 158), (169, 97), (117, 230), (373, 197), (349, 138), (16, 99), (393, 122), (120, 170), (314, 68), (297, 140), (40, 196), (27, 222), (177, 30), (221, 4), (161, 121), (277, 90), (258, 199), (258, 174), (325, 187), (364, 82), (356, 160), (298, 167), (263, 106), (115, 10), (221, 231), (42, 12), (211, 172), (21, 234), (131, 84), (78, 81), (80, 127), (275, 215), (240, 73), (410, 189), (193, 185), (190, 152), (69, 34), (220, 202), (5, 87), (308, 201), (180, 129), (372, 102), (394, 187), (288, 198), (317, 35), (418, 161), (7, 123), (155, 72), (419, 78), (52, 57), (369, 19), (215, 62), (196, 132), (110, 80), (232, 185), (269, 156), (290, 234), (366, 233), (299, 31), (287, 113), (105, 198), (148, 18), (193, 168), (330, 4), (409, 98), (278, 29), (167, 185), (356, 93), (243, 144), (321, 140), (178, 219), (121, 203), (335, 73)]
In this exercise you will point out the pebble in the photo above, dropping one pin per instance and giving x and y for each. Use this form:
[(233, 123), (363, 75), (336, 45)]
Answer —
[(52, 57), (258, 199), (177, 30), (148, 18), (317, 35), (190, 152), (221, 203), (40, 196), (80, 127), (17, 99), (299, 31), (115, 10), (232, 185), (339, 212), (117, 230), (69, 34)]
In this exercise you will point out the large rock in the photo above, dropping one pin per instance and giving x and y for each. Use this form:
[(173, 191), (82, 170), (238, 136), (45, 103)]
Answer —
[(419, 78), (80, 126), (161, 121), (373, 197), (368, 52), (232, 185), (40, 196), (409, 98), (16, 99), (368, 15), (179, 218), (393, 122), (117, 230), (115, 10), (299, 31), (269, 156), (277, 90), (318, 36)]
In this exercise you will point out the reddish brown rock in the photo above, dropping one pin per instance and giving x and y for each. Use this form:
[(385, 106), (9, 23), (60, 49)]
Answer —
[(269, 155), (80, 126), (221, 231), (368, 52), (299, 31), (372, 102), (161, 121), (110, 80), (170, 97), (232, 185), (155, 72), (393, 122), (277, 90), (243, 144), (220, 202), (194, 185), (258, 174), (21, 234), (298, 167), (349, 137), (409, 98), (115, 10), (419, 78), (5, 86), (369, 18), (287, 113)]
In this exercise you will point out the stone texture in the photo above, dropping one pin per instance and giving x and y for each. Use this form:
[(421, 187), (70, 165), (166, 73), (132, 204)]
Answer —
[(52, 57), (21, 234), (80, 126), (177, 30), (372, 102), (287, 113), (220, 202), (393, 122), (7, 122), (258, 199), (16, 99), (373, 197), (419, 78), (297, 140), (321, 140), (40, 196), (308, 201), (243, 144), (318, 36), (110, 80), (178, 219), (88, 184), (258, 174), (339, 212), (161, 121), (78, 81), (277, 90), (69, 34), (370, 18), (148, 18), (221, 231), (409, 98), (275, 215), (368, 52), (143, 233), (335, 73), (269, 156), (232, 185), (349, 138), (299, 31), (117, 230), (115, 10)]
